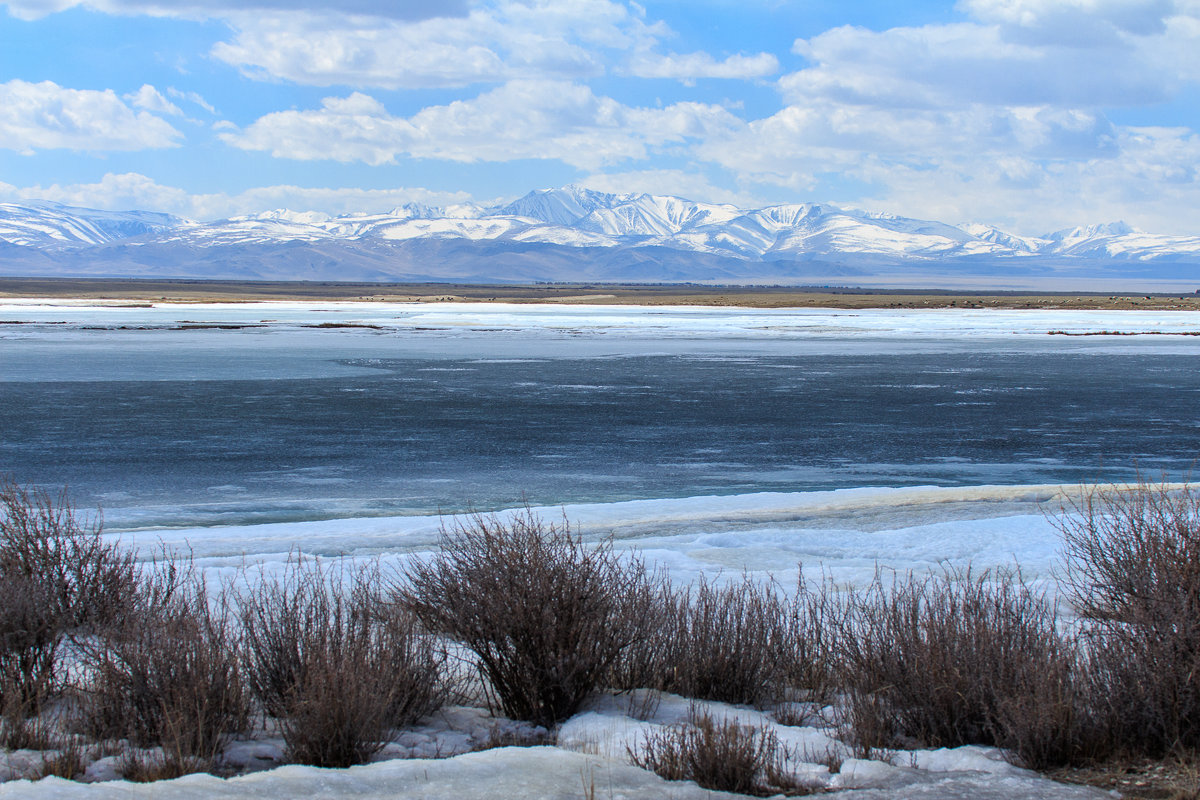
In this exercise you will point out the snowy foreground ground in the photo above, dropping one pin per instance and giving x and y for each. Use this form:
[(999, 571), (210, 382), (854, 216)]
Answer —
[(591, 755), (843, 534)]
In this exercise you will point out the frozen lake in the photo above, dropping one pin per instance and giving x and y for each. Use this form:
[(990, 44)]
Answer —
[(710, 440), (322, 421)]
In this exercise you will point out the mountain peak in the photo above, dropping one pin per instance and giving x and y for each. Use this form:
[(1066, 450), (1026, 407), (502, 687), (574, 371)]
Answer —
[(562, 206), (1118, 228)]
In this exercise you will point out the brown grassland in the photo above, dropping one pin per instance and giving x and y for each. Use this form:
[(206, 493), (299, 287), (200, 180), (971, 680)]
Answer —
[(198, 291)]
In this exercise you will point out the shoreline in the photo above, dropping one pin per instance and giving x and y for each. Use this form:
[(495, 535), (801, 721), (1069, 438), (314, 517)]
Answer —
[(202, 291)]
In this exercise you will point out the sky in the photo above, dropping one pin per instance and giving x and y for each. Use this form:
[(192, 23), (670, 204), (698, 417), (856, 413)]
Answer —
[(1032, 115)]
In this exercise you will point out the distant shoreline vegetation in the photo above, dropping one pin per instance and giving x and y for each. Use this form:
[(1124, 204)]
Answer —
[(141, 292)]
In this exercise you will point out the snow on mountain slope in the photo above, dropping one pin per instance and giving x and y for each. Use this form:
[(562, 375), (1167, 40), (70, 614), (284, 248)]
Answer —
[(41, 223), (563, 206), (654, 216), (641, 226), (1017, 244), (1123, 241)]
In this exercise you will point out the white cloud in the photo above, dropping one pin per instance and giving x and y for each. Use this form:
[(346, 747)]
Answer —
[(824, 137), (400, 9), (135, 191), (434, 43), (503, 40), (700, 65), (1077, 21), (498, 41), (1154, 183), (151, 99), (1149, 177), (42, 116), (191, 97), (1000, 119), (953, 65), (520, 120)]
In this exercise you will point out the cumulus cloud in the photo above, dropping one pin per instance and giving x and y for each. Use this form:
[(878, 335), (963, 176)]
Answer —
[(1000, 118), (191, 97), (132, 190), (43, 116), (497, 41), (522, 119), (700, 65), (965, 63), (418, 44), (1153, 183), (151, 99), (399, 9), (822, 137), (1077, 20)]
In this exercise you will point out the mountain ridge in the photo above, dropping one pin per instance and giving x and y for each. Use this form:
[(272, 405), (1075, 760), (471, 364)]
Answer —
[(612, 236)]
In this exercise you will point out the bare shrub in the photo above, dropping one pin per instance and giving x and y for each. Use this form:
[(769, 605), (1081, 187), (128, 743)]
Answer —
[(723, 755), (814, 624), (731, 643), (58, 577), (546, 615), (142, 767), (743, 642), (29, 644), (69, 761), (648, 662), (335, 664), (936, 660), (90, 580), (1133, 574), (168, 674)]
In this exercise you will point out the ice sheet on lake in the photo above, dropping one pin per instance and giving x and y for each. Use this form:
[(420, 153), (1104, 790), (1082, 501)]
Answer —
[(52, 340), (661, 320)]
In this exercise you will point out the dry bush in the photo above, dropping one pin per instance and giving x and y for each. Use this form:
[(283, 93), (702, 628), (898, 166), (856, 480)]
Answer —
[(814, 624), (336, 665), (1056, 721), (141, 767), (939, 660), (722, 755), (1133, 574), (58, 577), (168, 674), (743, 642), (731, 643), (29, 645), (649, 659), (546, 615), (69, 761)]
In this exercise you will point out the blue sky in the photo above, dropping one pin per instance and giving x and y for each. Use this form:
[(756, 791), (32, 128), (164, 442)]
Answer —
[(1031, 115)]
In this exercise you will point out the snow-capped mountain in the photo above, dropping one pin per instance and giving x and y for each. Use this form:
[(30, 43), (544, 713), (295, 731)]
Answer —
[(571, 233), (41, 223)]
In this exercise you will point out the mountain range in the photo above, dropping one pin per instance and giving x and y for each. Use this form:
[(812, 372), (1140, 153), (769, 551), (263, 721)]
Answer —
[(580, 235)]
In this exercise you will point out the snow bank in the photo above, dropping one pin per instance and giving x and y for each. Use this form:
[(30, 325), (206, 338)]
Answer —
[(511, 773), (593, 751), (844, 533)]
